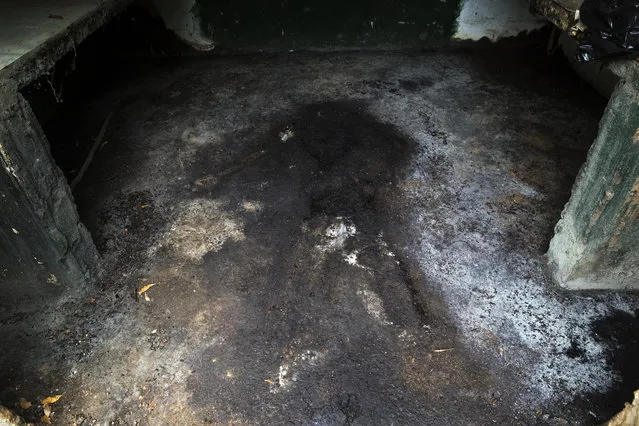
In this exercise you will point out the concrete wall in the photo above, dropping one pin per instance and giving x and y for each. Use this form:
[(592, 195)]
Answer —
[(44, 249), (278, 24), (596, 242), (495, 19)]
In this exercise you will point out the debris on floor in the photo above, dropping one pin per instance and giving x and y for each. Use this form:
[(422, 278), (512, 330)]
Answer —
[(387, 260)]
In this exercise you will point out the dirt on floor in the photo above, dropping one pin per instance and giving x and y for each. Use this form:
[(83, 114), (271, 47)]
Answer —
[(352, 238)]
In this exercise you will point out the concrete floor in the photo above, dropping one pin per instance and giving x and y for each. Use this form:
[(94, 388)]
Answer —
[(333, 239)]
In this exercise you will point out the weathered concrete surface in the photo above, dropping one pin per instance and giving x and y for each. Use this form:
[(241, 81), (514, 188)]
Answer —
[(334, 25), (596, 245), (45, 249), (35, 34), (333, 239), (495, 19)]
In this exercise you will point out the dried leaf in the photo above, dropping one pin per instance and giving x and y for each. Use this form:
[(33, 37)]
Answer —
[(146, 297), (145, 289), (443, 350), (45, 419), (47, 410), (92, 300), (270, 382), (51, 399), (24, 404)]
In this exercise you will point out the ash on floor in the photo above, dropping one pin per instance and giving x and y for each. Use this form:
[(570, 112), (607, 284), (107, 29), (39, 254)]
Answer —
[(332, 239)]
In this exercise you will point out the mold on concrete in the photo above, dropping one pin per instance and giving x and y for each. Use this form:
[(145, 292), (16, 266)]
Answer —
[(46, 251)]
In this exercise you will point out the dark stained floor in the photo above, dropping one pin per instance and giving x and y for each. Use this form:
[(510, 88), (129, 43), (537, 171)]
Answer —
[(333, 239)]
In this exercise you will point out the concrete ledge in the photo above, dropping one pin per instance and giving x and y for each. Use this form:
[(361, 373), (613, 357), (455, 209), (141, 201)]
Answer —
[(45, 250), (40, 38)]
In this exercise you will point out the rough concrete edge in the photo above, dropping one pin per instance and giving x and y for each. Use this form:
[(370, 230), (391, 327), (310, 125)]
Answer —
[(38, 61), (183, 18), (469, 28), (566, 250), (629, 416)]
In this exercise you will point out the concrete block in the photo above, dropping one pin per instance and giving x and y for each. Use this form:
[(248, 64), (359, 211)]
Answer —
[(596, 242)]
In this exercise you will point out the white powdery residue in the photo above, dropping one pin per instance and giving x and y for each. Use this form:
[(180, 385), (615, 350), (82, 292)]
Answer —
[(384, 244), (252, 206), (283, 379), (336, 234), (288, 373), (500, 296), (537, 329), (374, 306), (351, 259), (201, 227)]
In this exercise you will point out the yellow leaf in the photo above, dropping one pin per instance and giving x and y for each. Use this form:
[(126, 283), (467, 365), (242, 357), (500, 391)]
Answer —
[(45, 419), (51, 399), (24, 404), (144, 289)]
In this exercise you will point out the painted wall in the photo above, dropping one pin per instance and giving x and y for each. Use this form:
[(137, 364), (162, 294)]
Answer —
[(287, 24)]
